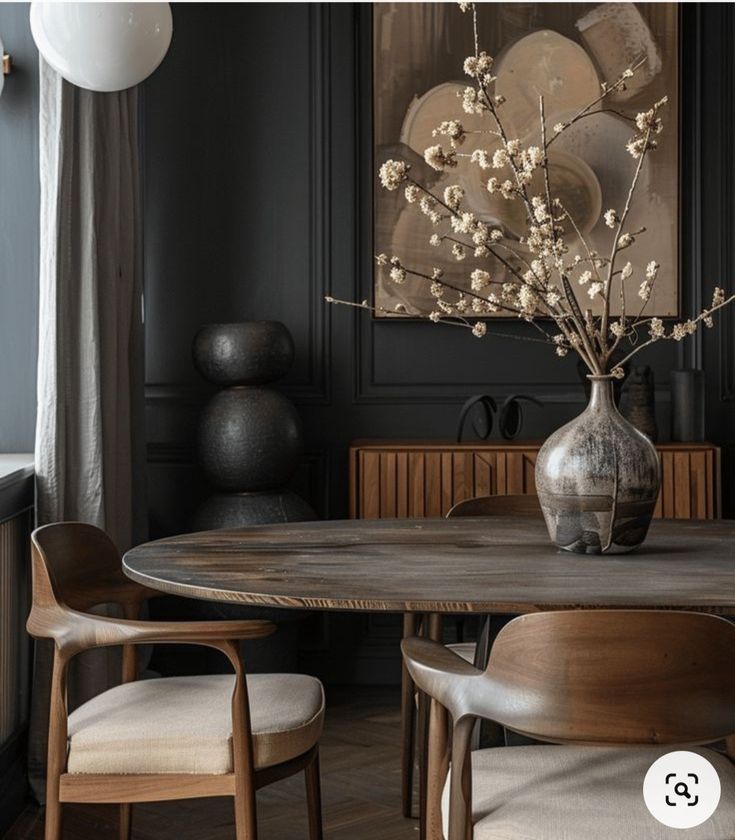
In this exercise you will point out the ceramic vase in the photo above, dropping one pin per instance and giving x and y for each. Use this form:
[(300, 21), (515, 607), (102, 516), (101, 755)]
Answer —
[(598, 479)]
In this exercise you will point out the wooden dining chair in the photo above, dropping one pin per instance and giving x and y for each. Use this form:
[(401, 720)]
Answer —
[(525, 505), (159, 739), (613, 690), (511, 505)]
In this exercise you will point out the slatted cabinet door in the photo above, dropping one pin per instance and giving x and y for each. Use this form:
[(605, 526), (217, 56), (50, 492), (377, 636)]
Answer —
[(392, 483), (690, 480), (398, 480)]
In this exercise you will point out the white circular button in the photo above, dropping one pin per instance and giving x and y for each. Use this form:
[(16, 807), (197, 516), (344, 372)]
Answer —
[(681, 789)]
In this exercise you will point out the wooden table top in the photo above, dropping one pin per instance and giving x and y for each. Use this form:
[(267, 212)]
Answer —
[(461, 565)]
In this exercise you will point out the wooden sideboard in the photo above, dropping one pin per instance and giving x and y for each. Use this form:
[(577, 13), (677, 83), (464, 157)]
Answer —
[(411, 478)]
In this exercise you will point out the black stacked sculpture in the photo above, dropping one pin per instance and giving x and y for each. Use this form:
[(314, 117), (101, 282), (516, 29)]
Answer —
[(249, 444), (250, 438)]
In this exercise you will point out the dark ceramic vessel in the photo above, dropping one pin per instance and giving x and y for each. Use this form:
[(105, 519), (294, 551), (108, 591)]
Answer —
[(638, 401), (251, 353), (598, 479), (687, 405), (235, 510), (250, 439)]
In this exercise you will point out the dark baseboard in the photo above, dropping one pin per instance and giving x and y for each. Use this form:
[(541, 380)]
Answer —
[(14, 790)]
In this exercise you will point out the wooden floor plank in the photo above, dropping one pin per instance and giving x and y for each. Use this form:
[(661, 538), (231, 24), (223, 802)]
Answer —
[(361, 789)]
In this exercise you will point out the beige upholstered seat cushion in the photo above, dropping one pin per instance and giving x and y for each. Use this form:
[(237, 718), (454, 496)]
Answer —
[(464, 649), (579, 793), (184, 724)]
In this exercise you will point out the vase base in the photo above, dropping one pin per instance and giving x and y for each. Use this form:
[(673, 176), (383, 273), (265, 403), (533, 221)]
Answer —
[(595, 524)]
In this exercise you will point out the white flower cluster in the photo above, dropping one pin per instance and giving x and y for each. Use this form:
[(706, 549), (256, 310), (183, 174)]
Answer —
[(644, 292), (540, 210), (453, 130), (453, 196), (681, 331), (397, 272), (479, 279), (428, 205), (412, 192), (479, 66), (438, 159), (392, 173), (656, 329), (648, 123), (506, 188), (481, 158)]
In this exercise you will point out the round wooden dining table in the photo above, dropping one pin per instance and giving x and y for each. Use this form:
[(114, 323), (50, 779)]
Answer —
[(498, 565), (441, 566)]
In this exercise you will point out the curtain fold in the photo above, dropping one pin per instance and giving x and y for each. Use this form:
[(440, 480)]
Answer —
[(90, 458)]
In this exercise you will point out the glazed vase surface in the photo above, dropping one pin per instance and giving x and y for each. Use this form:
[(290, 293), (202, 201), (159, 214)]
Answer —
[(598, 479)]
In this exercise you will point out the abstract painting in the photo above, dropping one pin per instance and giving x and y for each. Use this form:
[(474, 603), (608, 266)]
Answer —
[(564, 51)]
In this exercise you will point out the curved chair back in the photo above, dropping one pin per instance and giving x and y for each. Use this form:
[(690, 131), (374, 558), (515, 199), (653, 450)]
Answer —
[(624, 677), (637, 677), (595, 677), (512, 505), (76, 565)]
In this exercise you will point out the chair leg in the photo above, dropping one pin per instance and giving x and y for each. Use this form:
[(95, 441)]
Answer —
[(437, 766), (433, 630), (57, 736), (314, 798), (408, 724), (246, 825), (126, 821), (52, 829)]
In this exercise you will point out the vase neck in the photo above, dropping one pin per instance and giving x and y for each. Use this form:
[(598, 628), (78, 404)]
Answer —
[(602, 397)]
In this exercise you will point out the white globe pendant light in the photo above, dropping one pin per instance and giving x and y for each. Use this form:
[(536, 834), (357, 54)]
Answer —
[(102, 46)]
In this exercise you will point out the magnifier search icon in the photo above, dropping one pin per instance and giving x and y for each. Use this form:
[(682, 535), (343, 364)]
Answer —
[(681, 789)]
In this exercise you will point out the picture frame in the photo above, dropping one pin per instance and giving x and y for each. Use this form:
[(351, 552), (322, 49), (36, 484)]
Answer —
[(417, 55)]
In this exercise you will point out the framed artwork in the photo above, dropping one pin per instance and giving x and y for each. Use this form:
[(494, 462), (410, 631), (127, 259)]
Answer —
[(564, 51)]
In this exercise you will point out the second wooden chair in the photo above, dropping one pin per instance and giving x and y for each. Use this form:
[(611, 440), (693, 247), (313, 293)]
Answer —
[(159, 739), (616, 688), (511, 505)]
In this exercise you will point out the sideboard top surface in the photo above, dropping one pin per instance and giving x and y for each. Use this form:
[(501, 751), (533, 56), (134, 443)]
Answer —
[(505, 445)]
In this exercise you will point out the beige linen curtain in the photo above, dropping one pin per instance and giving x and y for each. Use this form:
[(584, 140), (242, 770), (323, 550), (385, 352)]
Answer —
[(89, 442)]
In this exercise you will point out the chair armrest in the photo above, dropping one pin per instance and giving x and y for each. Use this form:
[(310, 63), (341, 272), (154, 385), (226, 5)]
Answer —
[(74, 631), (462, 689), (440, 673)]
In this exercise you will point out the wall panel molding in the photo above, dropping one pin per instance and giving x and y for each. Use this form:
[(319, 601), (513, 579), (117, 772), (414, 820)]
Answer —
[(317, 389), (725, 273)]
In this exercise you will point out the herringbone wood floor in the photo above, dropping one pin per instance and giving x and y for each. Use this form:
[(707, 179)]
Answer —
[(361, 787)]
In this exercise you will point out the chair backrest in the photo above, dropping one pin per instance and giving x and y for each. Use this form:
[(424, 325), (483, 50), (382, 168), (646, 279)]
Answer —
[(512, 505), (76, 565), (624, 677), (616, 676)]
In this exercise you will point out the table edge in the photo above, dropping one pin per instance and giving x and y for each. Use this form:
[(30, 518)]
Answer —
[(448, 607)]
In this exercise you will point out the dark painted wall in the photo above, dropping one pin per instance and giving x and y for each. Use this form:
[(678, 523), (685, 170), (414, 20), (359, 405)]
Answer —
[(19, 197), (258, 177), (257, 200)]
